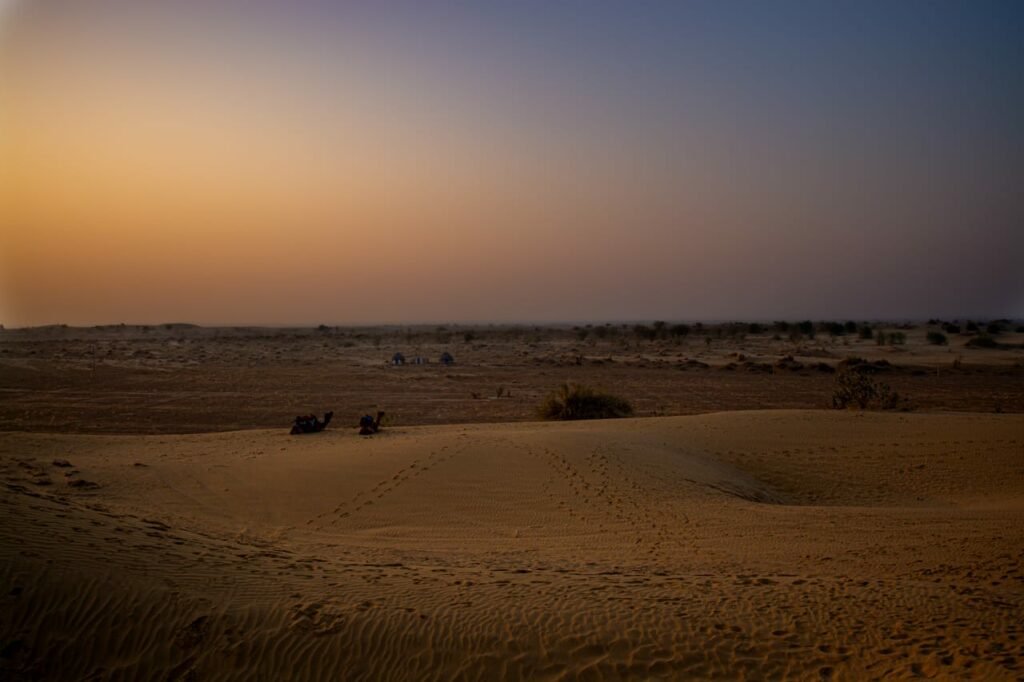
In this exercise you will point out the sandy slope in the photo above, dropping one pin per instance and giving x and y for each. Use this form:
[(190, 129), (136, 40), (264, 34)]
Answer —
[(742, 545)]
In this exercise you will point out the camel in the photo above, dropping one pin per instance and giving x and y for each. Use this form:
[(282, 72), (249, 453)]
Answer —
[(368, 425), (310, 424)]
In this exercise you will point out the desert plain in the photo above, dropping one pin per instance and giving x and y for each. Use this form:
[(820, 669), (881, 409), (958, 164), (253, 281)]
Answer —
[(159, 522)]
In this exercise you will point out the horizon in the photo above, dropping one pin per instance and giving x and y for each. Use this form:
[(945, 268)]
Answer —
[(241, 161), (571, 324)]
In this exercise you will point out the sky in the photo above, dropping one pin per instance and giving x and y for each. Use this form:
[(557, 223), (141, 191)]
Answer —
[(232, 162)]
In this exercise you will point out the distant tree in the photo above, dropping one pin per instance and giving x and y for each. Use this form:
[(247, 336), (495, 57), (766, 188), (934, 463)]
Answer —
[(679, 330), (642, 331), (850, 327), (936, 338)]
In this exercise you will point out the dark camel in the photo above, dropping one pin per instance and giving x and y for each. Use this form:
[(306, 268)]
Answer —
[(310, 424), (368, 425)]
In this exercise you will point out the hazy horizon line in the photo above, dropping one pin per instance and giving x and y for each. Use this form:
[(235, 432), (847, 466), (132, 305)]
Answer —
[(526, 323)]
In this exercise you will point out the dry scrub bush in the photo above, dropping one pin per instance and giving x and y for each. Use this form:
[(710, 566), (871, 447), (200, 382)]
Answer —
[(573, 401), (855, 388)]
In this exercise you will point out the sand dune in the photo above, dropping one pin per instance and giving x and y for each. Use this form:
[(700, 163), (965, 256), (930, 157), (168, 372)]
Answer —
[(748, 545)]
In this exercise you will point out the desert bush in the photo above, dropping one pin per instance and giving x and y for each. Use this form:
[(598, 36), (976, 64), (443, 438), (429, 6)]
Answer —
[(936, 338), (897, 338), (806, 328), (835, 329), (573, 401), (854, 388), (680, 330), (971, 326), (866, 332), (754, 328), (642, 331), (951, 328), (993, 328), (1019, 329), (983, 341)]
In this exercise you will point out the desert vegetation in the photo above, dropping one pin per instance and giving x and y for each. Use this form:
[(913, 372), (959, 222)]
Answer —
[(855, 387), (574, 401)]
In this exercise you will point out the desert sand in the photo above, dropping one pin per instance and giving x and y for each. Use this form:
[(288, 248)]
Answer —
[(803, 544), (188, 379)]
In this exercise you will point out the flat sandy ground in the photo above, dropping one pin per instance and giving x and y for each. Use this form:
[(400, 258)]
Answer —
[(188, 379), (744, 545), (157, 522)]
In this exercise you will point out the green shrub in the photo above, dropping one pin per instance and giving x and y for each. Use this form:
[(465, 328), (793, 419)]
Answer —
[(936, 338), (573, 401)]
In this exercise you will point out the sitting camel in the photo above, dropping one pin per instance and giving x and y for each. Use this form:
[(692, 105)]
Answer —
[(310, 424), (368, 425)]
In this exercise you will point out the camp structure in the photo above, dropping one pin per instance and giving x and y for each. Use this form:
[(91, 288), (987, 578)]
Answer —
[(398, 359), (446, 358)]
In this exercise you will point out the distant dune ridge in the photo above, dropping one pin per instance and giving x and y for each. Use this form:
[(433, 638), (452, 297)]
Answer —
[(751, 545)]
